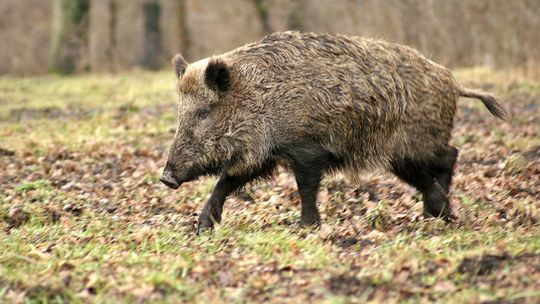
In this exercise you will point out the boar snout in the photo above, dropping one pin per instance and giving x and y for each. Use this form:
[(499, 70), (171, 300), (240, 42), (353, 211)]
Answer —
[(168, 179)]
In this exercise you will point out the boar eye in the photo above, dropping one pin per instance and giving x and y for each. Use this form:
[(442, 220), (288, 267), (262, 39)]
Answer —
[(203, 113)]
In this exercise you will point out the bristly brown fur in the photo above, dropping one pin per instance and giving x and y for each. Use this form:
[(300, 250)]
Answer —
[(318, 103)]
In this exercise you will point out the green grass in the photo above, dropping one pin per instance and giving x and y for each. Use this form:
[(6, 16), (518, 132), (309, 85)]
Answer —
[(74, 111), (28, 186), (83, 217)]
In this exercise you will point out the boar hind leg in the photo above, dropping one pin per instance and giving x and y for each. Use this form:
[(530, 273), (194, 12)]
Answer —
[(420, 175), (211, 212), (443, 168)]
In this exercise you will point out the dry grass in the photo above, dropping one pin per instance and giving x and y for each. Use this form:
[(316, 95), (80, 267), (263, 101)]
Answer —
[(83, 217)]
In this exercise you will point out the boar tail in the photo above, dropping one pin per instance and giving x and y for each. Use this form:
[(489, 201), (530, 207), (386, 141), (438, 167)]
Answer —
[(489, 101)]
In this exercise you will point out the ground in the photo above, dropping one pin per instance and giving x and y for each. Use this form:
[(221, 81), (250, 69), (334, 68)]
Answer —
[(83, 217)]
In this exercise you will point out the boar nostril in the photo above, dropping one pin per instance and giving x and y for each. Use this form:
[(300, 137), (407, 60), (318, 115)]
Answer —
[(168, 179)]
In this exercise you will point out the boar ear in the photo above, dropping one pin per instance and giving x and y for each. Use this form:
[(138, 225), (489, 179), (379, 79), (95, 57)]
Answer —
[(179, 64), (217, 75)]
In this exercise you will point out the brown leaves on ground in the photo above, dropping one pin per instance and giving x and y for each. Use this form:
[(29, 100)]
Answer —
[(373, 244)]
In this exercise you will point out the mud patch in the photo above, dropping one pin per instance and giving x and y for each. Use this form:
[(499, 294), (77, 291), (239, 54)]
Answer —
[(348, 285), (533, 154), (71, 112), (49, 293), (503, 301), (6, 152), (120, 112), (126, 110), (346, 242), (482, 265), (15, 217)]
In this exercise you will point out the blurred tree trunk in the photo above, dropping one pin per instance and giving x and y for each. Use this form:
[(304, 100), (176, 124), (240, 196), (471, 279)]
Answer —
[(69, 35), (296, 20), (111, 50), (262, 11), (182, 28), (152, 48)]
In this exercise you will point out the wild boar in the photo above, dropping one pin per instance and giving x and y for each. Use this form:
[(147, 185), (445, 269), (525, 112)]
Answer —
[(316, 104)]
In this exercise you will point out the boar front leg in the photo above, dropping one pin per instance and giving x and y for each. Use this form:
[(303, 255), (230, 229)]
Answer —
[(308, 166), (308, 186), (211, 212)]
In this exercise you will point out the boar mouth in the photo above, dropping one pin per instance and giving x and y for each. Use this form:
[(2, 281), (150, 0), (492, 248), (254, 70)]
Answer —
[(171, 184), (170, 180), (174, 182), (174, 176)]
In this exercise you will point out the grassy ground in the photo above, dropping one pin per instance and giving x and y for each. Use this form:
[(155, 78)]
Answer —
[(84, 218)]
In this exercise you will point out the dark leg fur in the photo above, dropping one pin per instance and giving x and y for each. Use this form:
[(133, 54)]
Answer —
[(309, 165), (443, 169), (432, 178), (308, 186), (211, 212)]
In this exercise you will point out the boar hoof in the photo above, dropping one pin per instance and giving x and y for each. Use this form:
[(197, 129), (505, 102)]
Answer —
[(310, 221), (207, 222), (203, 226), (445, 215), (436, 204)]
